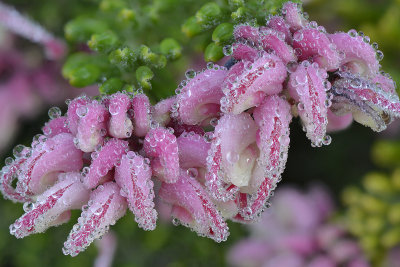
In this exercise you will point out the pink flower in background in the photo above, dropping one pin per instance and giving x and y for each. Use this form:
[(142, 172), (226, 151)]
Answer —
[(25, 88), (296, 232)]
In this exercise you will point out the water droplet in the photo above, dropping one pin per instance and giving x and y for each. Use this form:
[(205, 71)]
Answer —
[(28, 206), (210, 65), (214, 122), (82, 111), (327, 140), (8, 161), (18, 151), (190, 74), (54, 112), (379, 55), (192, 172), (352, 33), (227, 50)]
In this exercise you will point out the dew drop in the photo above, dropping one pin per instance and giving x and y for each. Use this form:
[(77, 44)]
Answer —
[(227, 50), (190, 74), (54, 112)]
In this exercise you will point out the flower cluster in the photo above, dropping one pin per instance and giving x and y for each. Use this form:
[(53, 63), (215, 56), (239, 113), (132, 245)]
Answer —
[(296, 232), (213, 152)]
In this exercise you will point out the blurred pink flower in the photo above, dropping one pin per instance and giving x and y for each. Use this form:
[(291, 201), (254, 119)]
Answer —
[(296, 232)]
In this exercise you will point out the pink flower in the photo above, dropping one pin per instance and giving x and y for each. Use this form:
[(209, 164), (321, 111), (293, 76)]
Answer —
[(213, 152), (296, 232)]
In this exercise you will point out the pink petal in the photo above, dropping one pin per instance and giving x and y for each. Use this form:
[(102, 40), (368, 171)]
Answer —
[(264, 76), (252, 205), (161, 147), (358, 55), (49, 158), (311, 43), (322, 261), (193, 208), (106, 246), (69, 193), (306, 85), (246, 32), (162, 111), (119, 126), (369, 104), (56, 126), (338, 123), (104, 208), (8, 174), (385, 82), (141, 115), (278, 24), (232, 156), (76, 109), (133, 175), (293, 16), (273, 118), (268, 38), (23, 26), (92, 126), (104, 160), (249, 252), (193, 150), (198, 101), (244, 52)]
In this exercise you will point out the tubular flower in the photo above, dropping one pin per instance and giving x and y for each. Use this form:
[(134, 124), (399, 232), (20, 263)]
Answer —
[(216, 150)]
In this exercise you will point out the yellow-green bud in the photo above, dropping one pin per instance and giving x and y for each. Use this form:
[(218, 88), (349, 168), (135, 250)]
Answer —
[(213, 52)]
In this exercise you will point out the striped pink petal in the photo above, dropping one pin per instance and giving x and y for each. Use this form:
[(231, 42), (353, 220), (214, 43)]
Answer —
[(133, 175), (119, 125), (161, 147), (273, 117), (49, 158), (104, 160), (56, 126), (306, 85), (385, 82), (369, 104), (192, 207), (198, 101), (357, 55), (104, 208), (252, 205), (232, 156), (52, 207), (92, 126), (141, 115), (8, 174), (311, 43), (264, 76)]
